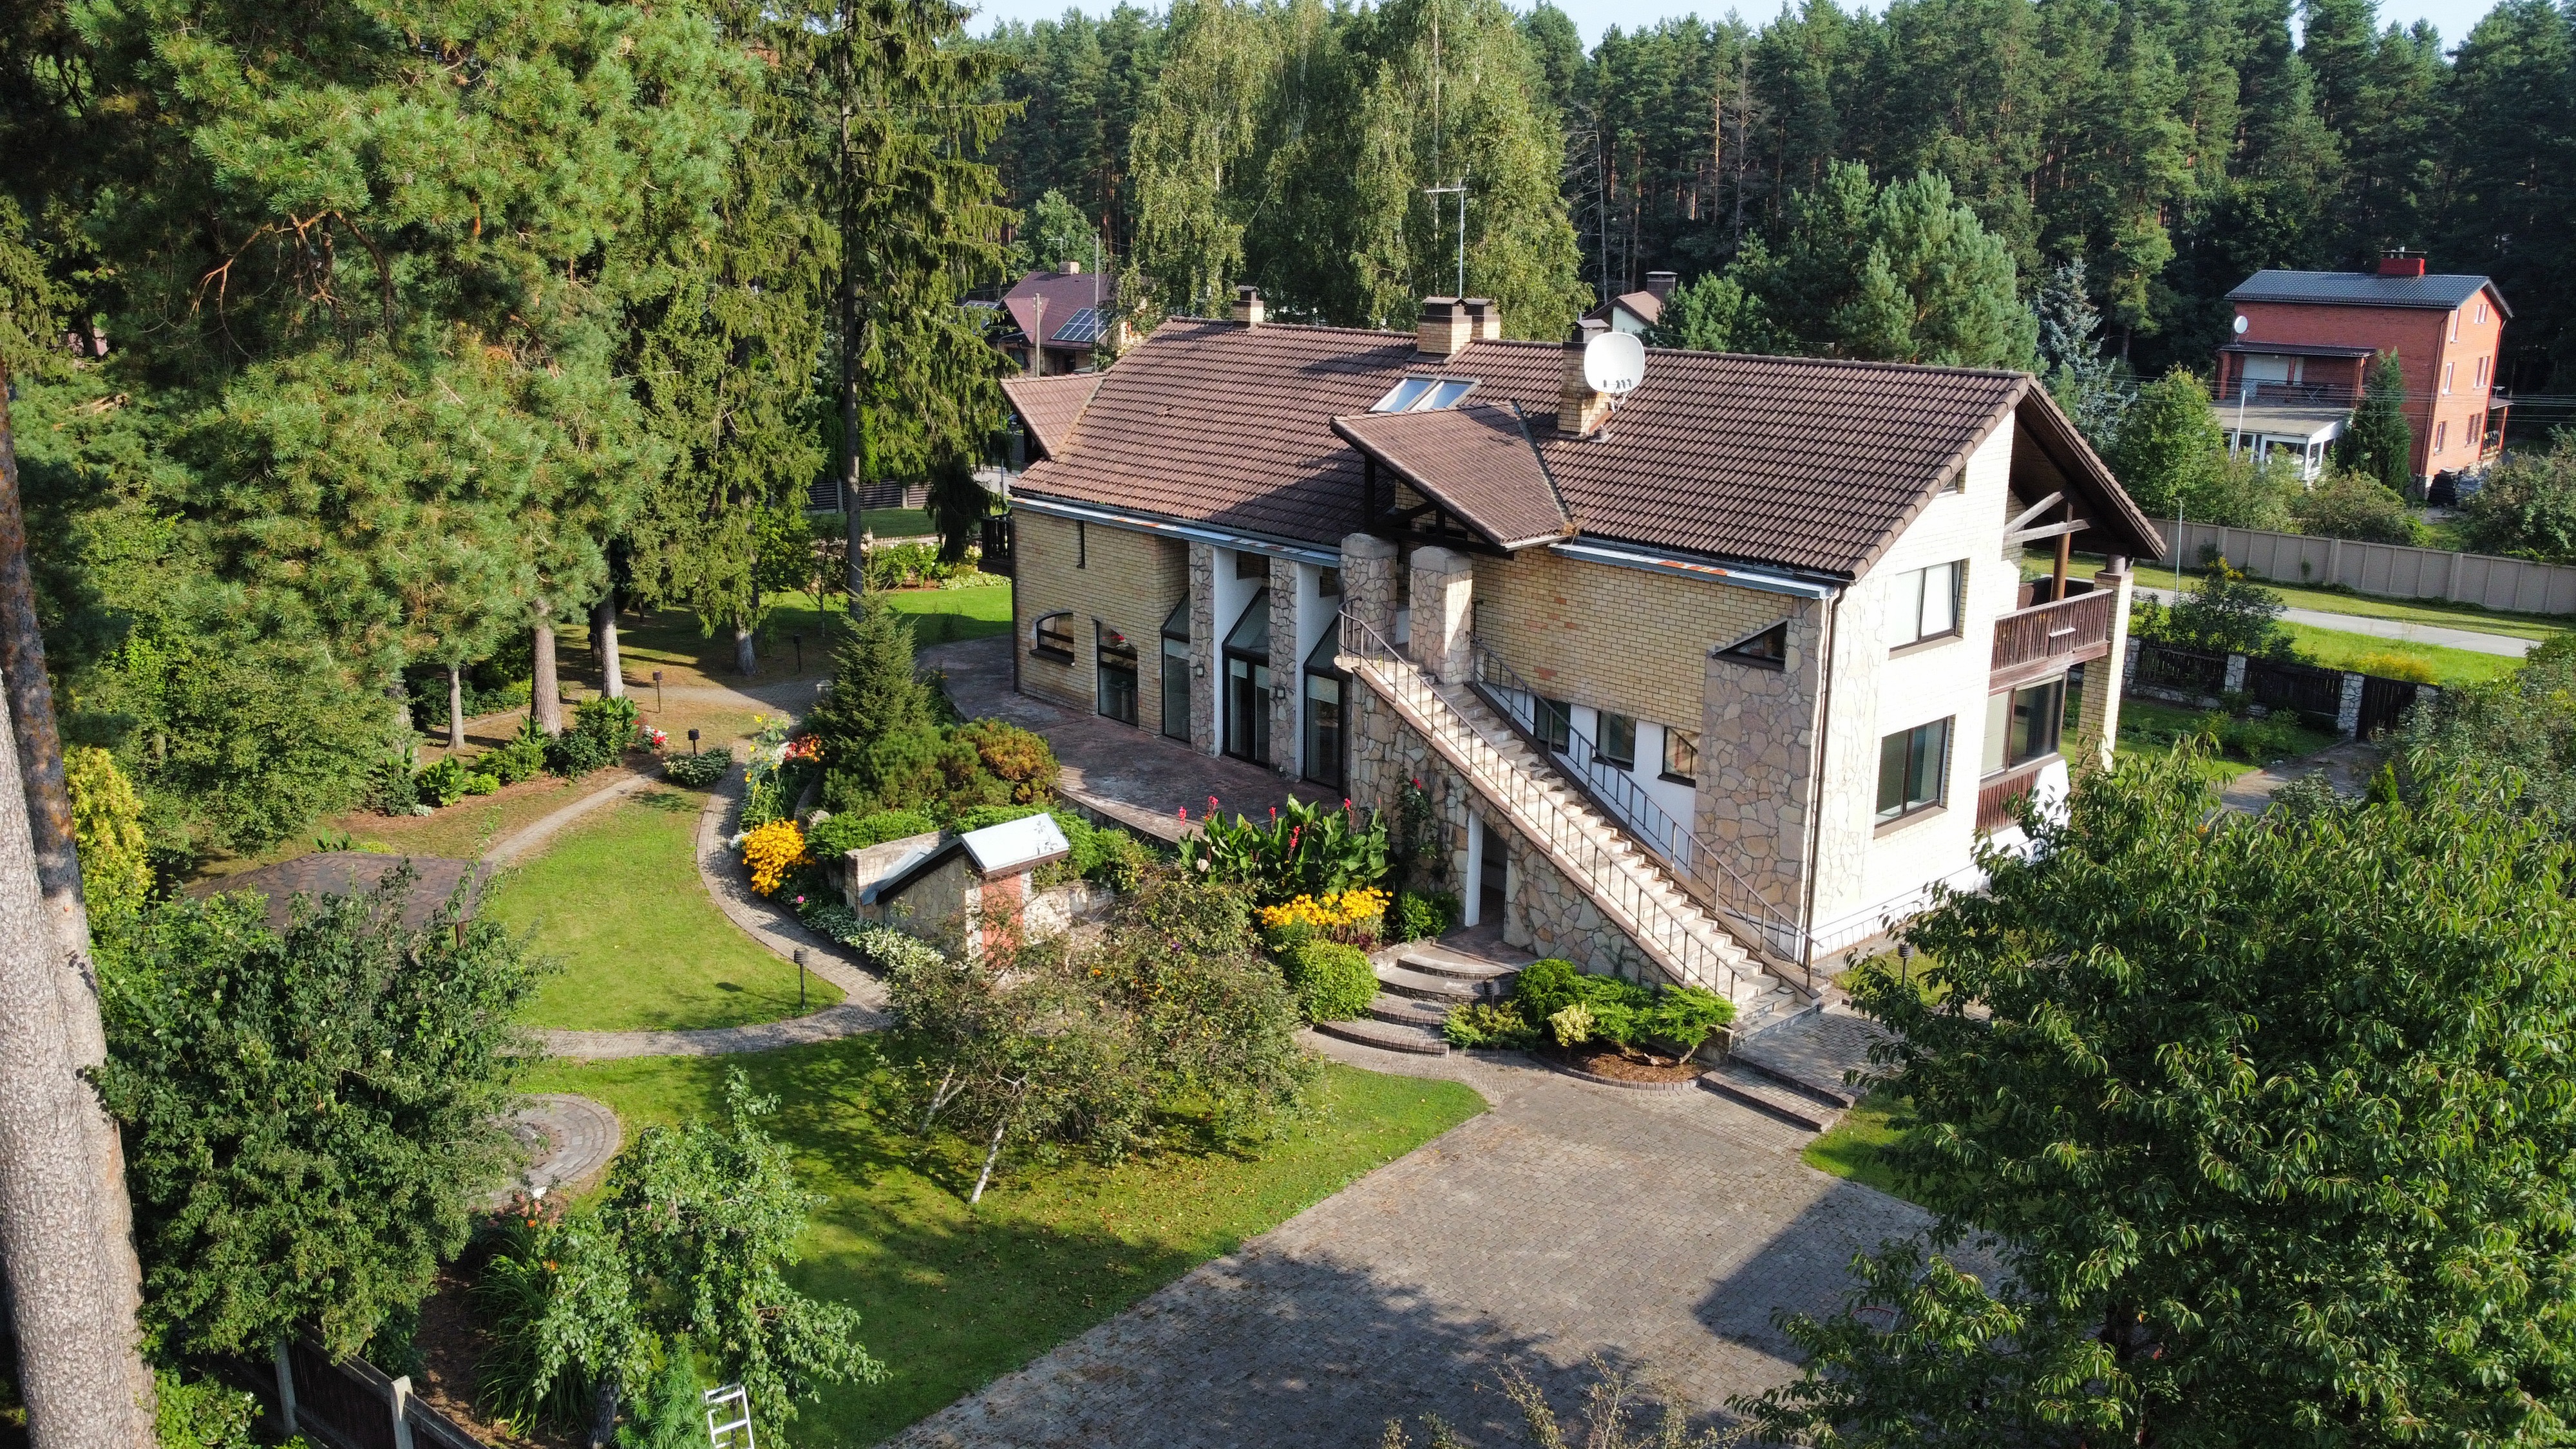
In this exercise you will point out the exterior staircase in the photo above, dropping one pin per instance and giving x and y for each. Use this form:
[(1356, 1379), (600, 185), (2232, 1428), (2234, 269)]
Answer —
[(1683, 938), (1417, 985)]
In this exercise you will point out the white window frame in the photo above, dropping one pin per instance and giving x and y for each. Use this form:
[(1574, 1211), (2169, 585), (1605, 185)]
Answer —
[(2447, 369), (1914, 594)]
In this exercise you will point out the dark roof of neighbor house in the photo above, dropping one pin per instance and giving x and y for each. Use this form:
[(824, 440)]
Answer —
[(1646, 307), (1475, 461), (2441, 291), (1806, 463), (1050, 406), (1067, 296)]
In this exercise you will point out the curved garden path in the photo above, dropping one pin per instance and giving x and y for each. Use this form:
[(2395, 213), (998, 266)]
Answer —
[(863, 1004), (571, 1139)]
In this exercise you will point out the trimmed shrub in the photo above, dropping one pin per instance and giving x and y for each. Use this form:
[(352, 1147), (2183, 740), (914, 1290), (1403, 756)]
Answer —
[(1333, 982), (1478, 1024), (1020, 757), (1419, 916), (523, 758), (1625, 1013), (698, 771), (443, 783), (837, 835)]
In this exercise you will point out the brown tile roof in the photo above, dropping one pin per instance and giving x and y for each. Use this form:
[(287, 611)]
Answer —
[(1051, 406), (1803, 463), (1066, 293), (1646, 307), (1476, 461)]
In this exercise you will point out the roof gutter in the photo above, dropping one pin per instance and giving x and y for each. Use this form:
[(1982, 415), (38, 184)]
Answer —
[(1661, 561), (1195, 533)]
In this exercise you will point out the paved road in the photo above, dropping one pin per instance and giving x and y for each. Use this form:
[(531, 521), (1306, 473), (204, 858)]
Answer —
[(2469, 639), (1652, 1228)]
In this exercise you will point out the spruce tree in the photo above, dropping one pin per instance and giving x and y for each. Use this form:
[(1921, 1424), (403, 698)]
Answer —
[(2378, 442)]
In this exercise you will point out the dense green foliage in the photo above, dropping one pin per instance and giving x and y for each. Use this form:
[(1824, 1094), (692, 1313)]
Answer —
[(1623, 1013), (307, 1115), (2263, 1122), (2527, 506), (689, 1250), (2379, 442), (2524, 722), (2172, 150), (2222, 611), (2355, 506), (1302, 850)]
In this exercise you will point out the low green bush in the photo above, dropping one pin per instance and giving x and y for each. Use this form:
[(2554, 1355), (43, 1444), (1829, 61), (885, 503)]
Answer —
[(1420, 916), (396, 788), (1625, 1013), (602, 728), (698, 771), (1021, 758), (523, 758), (2256, 741), (443, 783), (1332, 982), (1479, 1024)]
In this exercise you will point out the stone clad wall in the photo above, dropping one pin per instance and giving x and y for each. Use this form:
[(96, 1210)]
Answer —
[(1204, 678), (1758, 761), (1120, 577), (1285, 680)]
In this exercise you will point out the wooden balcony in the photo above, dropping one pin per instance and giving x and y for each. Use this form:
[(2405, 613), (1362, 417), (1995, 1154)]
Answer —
[(2051, 638)]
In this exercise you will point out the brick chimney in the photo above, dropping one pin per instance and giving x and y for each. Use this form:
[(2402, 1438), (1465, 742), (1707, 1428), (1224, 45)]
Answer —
[(1659, 285), (2398, 264), (1247, 306), (1444, 329), (1484, 318), (1579, 409)]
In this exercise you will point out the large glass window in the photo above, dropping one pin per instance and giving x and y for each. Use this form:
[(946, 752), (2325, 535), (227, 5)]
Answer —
[(1556, 724), (1053, 638), (1681, 756), (1247, 682), (2024, 724), (1176, 672), (1927, 604), (1913, 766), (1326, 729), (1117, 673), (1618, 742)]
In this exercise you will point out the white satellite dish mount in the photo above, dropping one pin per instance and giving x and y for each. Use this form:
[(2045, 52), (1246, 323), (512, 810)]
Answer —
[(1614, 363)]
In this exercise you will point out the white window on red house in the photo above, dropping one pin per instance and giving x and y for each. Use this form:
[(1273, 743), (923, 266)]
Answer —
[(2447, 369), (2441, 435)]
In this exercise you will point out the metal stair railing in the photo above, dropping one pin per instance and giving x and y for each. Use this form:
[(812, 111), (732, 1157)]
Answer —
[(1698, 862), (1669, 931)]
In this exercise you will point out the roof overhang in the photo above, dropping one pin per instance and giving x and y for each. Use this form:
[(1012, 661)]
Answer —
[(2298, 349), (1107, 517), (1474, 463), (1670, 562), (2115, 522)]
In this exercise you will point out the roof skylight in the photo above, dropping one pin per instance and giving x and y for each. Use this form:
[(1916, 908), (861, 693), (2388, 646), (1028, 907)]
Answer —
[(1424, 394)]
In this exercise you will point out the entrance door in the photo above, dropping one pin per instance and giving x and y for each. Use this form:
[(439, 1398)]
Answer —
[(1247, 710), (1493, 875)]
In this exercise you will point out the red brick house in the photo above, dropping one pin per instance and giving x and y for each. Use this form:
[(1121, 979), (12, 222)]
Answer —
[(2307, 340)]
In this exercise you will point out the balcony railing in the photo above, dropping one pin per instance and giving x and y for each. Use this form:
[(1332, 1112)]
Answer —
[(2030, 643)]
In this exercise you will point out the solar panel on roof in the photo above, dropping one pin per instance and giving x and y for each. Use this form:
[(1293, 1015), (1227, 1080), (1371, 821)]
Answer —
[(1084, 326)]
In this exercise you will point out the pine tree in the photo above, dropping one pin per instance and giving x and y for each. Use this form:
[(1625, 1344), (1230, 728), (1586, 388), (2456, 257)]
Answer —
[(1901, 273), (2378, 441)]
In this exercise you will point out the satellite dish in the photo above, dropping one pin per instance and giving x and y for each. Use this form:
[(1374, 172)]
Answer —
[(2241, 324), (1614, 362)]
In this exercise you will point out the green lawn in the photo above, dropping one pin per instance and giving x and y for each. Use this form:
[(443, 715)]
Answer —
[(1854, 1148), (897, 522), (2338, 601), (942, 615), (2336, 649), (616, 898), (954, 1296)]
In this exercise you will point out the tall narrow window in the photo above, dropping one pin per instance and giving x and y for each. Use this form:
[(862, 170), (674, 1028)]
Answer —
[(2441, 435), (1114, 661), (1927, 604), (2478, 374), (1618, 742), (1913, 769), (2448, 368), (1555, 724), (1081, 544), (1176, 671), (1247, 682), (1326, 730), (2024, 724)]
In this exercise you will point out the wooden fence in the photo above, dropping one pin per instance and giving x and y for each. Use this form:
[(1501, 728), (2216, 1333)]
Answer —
[(346, 1403), (2356, 706), (2392, 571)]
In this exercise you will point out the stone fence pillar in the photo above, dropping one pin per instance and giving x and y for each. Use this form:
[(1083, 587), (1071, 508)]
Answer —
[(1368, 583), (2348, 708), (2234, 683), (1444, 602)]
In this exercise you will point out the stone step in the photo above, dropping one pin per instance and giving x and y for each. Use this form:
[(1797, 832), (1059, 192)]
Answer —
[(1434, 959), (1386, 1036), (1423, 986), (1739, 1083), (1410, 1011)]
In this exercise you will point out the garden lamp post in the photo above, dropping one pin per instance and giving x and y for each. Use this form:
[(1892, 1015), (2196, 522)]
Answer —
[(693, 742), (798, 639), (657, 698), (800, 981)]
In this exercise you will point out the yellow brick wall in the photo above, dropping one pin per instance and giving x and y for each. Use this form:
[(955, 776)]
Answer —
[(1125, 579), (1612, 638)]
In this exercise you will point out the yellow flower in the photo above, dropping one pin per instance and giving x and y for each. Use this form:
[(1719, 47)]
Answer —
[(772, 851)]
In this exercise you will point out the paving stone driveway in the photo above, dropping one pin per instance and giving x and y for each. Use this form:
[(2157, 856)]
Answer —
[(1656, 1229)]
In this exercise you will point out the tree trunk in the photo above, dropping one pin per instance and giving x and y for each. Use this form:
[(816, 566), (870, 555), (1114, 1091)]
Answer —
[(101, 1274), (743, 659), (455, 708), (612, 670), (545, 691)]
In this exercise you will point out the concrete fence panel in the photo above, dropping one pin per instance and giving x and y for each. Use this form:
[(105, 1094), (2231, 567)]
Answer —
[(2387, 570)]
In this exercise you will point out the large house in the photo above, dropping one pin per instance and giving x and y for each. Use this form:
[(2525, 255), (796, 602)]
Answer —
[(1057, 322), (1707, 686), (2304, 343)]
